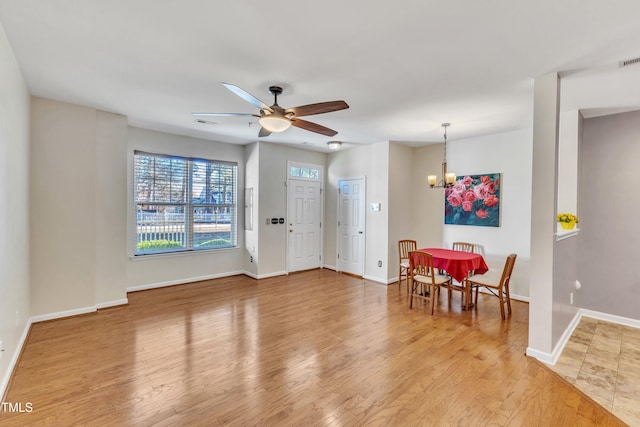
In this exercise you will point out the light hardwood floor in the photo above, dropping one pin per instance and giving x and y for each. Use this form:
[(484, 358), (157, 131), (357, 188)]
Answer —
[(313, 348)]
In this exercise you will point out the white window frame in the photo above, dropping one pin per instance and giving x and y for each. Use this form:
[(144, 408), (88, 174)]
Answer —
[(189, 206)]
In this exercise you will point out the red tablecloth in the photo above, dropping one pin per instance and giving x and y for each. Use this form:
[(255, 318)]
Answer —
[(458, 264)]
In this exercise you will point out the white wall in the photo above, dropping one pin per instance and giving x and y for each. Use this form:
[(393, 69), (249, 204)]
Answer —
[(14, 209), (371, 162), (427, 204), (565, 273), (416, 211), (543, 210), (401, 198), (157, 270), (568, 149), (565, 257), (78, 197), (509, 154), (252, 180), (63, 211), (110, 205), (609, 231), (272, 241)]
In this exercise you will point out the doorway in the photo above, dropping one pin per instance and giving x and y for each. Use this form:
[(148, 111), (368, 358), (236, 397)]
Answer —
[(304, 211), (351, 226)]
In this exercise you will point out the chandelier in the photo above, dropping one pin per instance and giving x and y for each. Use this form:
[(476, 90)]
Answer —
[(448, 178)]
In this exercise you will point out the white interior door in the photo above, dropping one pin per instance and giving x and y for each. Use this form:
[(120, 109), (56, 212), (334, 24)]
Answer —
[(351, 221), (304, 224)]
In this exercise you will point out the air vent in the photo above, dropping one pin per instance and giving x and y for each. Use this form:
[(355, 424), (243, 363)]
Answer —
[(205, 122), (629, 62)]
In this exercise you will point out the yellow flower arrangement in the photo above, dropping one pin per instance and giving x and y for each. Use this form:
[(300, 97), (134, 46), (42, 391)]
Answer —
[(567, 217)]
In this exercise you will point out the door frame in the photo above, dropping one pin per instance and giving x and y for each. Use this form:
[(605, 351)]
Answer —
[(364, 225), (320, 168)]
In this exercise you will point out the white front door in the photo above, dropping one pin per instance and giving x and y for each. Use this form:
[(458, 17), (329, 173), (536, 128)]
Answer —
[(304, 224), (351, 221)]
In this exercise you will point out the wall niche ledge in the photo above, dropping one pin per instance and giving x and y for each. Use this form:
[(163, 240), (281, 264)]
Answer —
[(565, 234)]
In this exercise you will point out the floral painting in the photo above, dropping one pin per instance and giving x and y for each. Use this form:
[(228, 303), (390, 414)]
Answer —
[(473, 200)]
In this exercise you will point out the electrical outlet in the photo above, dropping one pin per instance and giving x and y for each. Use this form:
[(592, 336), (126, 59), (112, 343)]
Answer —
[(379, 263), (250, 259), (571, 298)]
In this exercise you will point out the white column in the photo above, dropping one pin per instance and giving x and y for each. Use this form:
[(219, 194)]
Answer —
[(543, 208), (570, 128)]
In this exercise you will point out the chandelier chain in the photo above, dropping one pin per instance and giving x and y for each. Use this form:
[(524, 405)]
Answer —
[(445, 142)]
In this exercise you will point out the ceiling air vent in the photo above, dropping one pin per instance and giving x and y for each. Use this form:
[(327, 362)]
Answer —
[(205, 122), (629, 62)]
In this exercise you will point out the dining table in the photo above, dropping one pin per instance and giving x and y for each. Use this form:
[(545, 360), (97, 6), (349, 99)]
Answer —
[(458, 265)]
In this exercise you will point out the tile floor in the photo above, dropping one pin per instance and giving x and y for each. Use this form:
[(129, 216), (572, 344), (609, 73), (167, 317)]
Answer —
[(603, 360)]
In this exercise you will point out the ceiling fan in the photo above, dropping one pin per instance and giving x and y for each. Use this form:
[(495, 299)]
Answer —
[(277, 119)]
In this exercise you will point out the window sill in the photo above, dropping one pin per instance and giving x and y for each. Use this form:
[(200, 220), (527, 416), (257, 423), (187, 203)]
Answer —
[(565, 234), (149, 257)]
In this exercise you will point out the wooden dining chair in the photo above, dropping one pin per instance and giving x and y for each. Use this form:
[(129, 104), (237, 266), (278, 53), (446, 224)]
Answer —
[(425, 283), (499, 282), (463, 246), (404, 247)]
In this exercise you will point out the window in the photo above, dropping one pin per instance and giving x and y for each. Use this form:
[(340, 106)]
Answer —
[(184, 204), (304, 172)]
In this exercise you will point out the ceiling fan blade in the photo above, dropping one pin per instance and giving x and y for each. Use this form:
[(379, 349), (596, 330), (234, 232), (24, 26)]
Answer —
[(319, 108), (224, 115), (247, 96), (313, 127), (263, 132)]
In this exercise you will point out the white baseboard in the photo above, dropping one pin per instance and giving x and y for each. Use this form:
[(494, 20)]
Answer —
[(201, 278), (264, 276), (371, 278), (610, 318), (519, 298), (115, 303), (77, 311), (185, 280), (564, 339), (552, 358), (377, 280), (14, 359), (513, 296), (61, 314), (274, 274), (540, 355), (252, 275)]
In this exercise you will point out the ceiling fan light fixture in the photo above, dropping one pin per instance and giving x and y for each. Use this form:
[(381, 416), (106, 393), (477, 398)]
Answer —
[(277, 119), (334, 145), (274, 123)]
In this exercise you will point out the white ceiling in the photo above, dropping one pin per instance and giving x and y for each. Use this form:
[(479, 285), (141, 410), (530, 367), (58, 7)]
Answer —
[(403, 66)]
